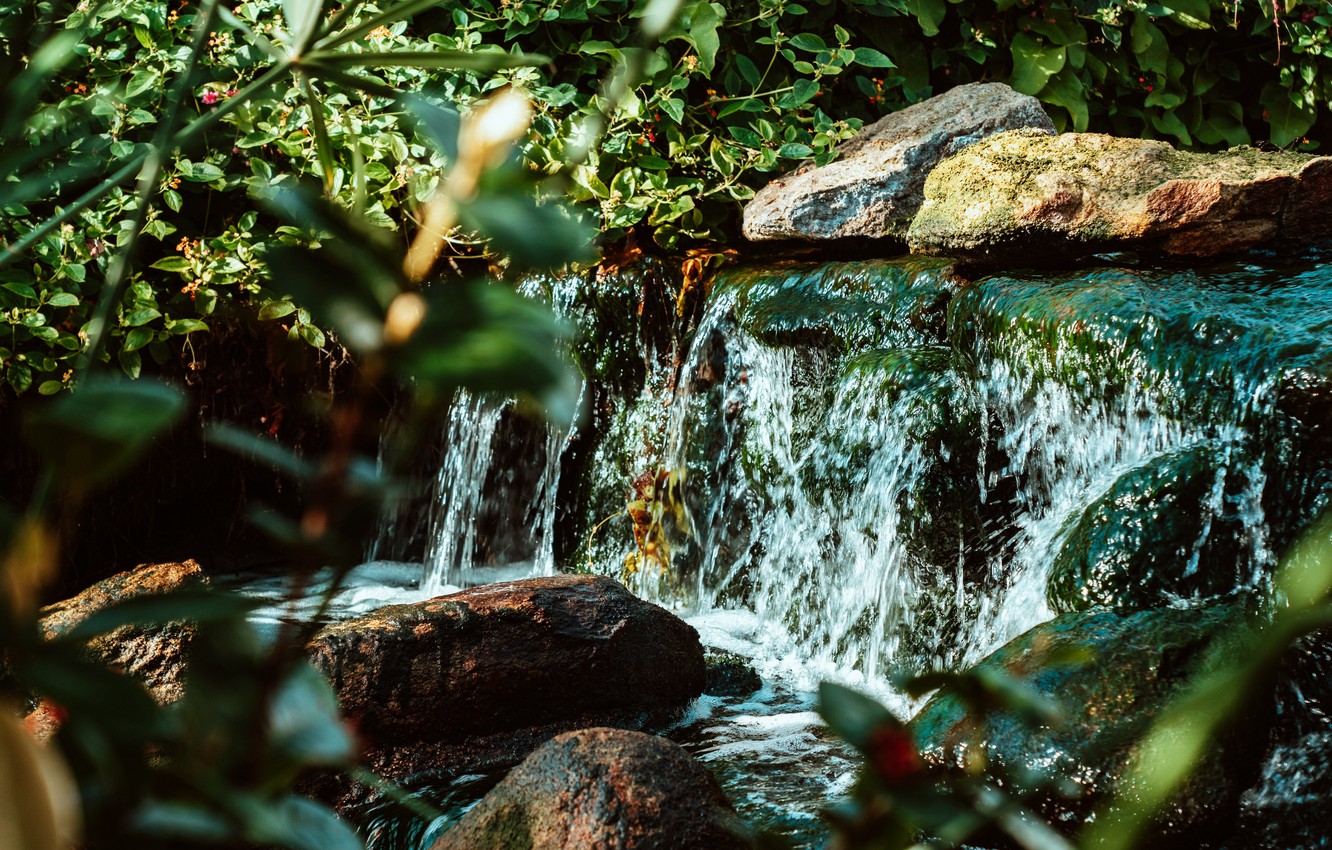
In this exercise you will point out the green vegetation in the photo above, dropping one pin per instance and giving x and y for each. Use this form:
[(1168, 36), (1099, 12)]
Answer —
[(734, 93)]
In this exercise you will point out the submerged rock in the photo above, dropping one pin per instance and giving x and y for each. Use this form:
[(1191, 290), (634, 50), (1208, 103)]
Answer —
[(601, 789), (476, 679), (1163, 532), (154, 655), (1138, 664), (730, 675), (874, 188), (1028, 197)]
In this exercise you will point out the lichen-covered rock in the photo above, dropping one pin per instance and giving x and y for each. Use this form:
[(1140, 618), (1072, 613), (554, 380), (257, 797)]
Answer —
[(1138, 664), (601, 789), (154, 655), (1027, 197), (506, 656), (874, 187)]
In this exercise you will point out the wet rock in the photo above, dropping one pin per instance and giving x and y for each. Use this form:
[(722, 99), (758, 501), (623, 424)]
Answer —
[(601, 789), (875, 186), (154, 655), (844, 306), (506, 656), (729, 675), (1026, 198), (1139, 663), (1165, 531)]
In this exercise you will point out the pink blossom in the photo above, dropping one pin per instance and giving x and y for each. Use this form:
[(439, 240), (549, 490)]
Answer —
[(209, 98)]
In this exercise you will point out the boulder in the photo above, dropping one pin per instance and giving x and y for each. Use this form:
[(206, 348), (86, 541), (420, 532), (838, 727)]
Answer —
[(154, 655), (1026, 198), (1164, 531), (601, 789), (475, 680), (1138, 664), (875, 185)]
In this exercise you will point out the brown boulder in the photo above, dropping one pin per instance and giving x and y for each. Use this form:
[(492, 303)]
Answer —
[(601, 789), (875, 185), (477, 679), (1024, 197), (154, 655)]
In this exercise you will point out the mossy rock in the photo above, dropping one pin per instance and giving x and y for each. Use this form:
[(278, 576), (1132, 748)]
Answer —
[(1163, 532), (729, 675), (844, 306), (1026, 198), (1139, 664)]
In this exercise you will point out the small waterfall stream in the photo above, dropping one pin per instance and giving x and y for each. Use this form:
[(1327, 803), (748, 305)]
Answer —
[(859, 469)]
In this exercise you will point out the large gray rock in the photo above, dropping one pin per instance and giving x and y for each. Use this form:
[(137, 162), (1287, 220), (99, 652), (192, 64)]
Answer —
[(875, 186), (1026, 197), (601, 789)]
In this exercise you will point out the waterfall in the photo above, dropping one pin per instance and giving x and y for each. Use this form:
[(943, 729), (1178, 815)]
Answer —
[(893, 468)]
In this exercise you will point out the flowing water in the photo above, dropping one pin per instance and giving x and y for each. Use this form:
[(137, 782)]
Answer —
[(856, 470)]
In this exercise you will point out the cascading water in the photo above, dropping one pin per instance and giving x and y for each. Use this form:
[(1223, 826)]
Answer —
[(864, 468)]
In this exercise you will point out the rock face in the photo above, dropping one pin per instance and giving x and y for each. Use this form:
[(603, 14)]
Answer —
[(477, 679), (1140, 662), (601, 789), (1027, 197), (154, 655), (875, 186)]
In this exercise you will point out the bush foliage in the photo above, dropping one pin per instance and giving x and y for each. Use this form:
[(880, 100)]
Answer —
[(734, 93)]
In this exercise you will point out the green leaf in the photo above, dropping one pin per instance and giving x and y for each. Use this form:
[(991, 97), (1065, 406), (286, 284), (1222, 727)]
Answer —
[(180, 327), (852, 715), (871, 58), (63, 299), (301, 824), (1191, 13), (50, 387), (674, 107), (276, 310), (172, 264), (102, 426), (304, 724), (202, 172), (438, 124), (137, 338), (142, 81), (1034, 63), (929, 13), (142, 316), (323, 145), (748, 70), (808, 42), (302, 17), (20, 377), (1289, 114), (510, 220), (703, 23), (793, 150)]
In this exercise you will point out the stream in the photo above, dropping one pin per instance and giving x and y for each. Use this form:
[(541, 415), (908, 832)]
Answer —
[(855, 471)]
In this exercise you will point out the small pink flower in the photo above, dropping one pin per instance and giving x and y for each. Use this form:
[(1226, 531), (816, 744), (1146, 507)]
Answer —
[(231, 92), (209, 98)]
